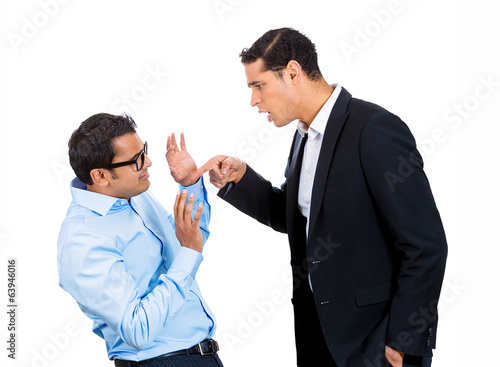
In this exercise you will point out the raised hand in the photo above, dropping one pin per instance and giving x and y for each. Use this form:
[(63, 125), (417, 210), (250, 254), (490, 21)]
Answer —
[(181, 164), (222, 169), (187, 227)]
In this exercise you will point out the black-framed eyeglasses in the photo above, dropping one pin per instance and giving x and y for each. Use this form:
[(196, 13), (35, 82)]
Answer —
[(139, 161)]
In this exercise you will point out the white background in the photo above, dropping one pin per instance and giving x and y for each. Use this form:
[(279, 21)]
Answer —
[(174, 66)]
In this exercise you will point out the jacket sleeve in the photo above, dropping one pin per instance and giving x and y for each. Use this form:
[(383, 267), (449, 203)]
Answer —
[(256, 197), (394, 173)]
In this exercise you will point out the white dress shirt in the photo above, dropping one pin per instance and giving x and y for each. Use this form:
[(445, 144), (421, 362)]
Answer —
[(312, 148)]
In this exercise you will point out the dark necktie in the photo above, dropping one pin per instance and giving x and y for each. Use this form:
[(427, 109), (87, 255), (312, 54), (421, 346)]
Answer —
[(295, 178), (296, 165), (300, 154)]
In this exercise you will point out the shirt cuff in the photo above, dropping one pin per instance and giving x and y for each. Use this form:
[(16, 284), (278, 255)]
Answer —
[(187, 261), (229, 188), (197, 189)]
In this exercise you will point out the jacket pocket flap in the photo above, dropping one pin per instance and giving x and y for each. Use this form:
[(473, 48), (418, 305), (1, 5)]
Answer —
[(375, 294)]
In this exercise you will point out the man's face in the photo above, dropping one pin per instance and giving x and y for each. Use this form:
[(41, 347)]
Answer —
[(126, 181), (271, 94)]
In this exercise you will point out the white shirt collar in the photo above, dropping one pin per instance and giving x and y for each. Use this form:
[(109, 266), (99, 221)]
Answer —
[(94, 201), (318, 125)]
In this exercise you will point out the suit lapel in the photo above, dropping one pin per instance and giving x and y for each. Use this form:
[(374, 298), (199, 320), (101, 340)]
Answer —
[(334, 126)]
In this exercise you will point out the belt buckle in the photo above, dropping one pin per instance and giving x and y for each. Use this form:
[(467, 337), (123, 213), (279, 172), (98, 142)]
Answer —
[(214, 348)]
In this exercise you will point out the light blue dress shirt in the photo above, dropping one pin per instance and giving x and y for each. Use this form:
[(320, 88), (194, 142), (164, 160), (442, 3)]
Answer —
[(123, 264)]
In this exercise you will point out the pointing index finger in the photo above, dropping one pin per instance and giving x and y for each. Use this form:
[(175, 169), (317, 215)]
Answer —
[(210, 165)]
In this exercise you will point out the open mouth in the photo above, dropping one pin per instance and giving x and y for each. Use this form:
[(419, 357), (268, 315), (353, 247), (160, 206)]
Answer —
[(269, 118)]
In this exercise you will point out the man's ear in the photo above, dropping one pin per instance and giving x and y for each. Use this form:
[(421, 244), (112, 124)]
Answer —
[(293, 72), (100, 177)]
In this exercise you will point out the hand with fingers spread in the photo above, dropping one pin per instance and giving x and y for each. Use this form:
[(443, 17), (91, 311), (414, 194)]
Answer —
[(187, 227), (222, 169), (182, 165)]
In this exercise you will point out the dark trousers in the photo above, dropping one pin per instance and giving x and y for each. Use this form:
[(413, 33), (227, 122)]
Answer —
[(411, 361), (312, 350), (191, 360)]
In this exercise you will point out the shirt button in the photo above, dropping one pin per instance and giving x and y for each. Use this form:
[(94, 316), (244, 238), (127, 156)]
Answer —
[(313, 144), (309, 176)]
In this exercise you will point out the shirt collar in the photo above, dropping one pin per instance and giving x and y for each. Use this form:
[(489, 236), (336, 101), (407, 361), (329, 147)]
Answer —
[(318, 125), (94, 201)]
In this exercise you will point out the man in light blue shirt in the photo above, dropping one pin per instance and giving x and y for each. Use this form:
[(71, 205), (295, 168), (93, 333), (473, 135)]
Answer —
[(129, 264)]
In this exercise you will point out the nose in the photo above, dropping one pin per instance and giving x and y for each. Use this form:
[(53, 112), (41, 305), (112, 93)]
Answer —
[(147, 162), (255, 99)]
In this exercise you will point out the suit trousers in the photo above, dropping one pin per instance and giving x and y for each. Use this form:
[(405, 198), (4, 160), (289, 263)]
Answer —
[(310, 343), (411, 361), (190, 360)]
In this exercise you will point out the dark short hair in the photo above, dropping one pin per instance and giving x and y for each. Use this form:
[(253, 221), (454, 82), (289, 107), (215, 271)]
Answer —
[(91, 145), (278, 46)]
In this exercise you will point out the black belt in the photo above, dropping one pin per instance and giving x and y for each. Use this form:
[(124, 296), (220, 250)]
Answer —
[(206, 347)]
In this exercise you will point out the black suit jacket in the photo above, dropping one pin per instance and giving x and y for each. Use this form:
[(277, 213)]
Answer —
[(376, 249)]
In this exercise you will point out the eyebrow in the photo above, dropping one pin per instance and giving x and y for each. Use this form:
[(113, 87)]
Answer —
[(254, 83)]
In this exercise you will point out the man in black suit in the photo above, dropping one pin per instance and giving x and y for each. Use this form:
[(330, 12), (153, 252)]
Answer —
[(367, 244)]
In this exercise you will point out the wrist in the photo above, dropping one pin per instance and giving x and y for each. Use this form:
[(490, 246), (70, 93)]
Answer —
[(241, 173), (191, 186), (187, 183)]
